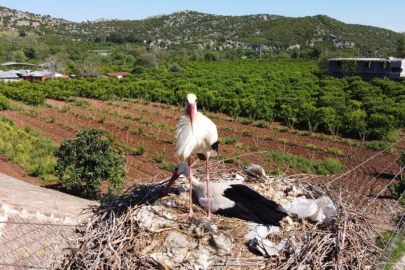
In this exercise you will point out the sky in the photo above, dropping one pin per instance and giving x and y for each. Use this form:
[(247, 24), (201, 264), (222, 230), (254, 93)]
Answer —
[(386, 14)]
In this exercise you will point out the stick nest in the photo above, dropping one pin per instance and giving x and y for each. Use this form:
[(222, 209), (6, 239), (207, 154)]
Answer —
[(142, 230)]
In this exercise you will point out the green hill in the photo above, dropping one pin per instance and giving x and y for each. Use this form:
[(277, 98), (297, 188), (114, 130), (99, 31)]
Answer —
[(194, 30)]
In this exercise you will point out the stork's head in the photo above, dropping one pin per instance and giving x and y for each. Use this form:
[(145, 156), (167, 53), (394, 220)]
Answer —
[(180, 169), (191, 107)]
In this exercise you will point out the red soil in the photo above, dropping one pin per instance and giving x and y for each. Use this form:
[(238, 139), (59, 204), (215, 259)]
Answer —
[(159, 121)]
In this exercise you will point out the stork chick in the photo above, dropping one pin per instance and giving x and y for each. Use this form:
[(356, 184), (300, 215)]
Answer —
[(232, 199)]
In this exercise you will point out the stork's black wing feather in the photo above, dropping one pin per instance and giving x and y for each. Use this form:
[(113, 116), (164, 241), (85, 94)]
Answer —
[(251, 206)]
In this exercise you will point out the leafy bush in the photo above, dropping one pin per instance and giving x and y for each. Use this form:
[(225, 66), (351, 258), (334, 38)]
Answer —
[(4, 103), (175, 68), (261, 124), (85, 162)]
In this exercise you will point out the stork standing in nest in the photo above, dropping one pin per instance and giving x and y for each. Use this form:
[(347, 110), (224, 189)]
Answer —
[(232, 199), (196, 133)]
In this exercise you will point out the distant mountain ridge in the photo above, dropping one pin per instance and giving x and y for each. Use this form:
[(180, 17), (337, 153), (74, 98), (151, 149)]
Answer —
[(199, 30)]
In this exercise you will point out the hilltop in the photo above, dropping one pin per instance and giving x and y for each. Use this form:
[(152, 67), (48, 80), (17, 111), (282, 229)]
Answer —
[(195, 30)]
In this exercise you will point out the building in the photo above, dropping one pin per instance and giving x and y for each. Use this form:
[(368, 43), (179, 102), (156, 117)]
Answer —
[(367, 68), (9, 76), (118, 74), (37, 76)]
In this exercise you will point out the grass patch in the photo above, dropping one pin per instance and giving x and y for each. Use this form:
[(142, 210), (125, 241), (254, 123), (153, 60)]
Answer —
[(336, 151), (261, 124), (135, 151), (28, 149), (281, 129), (168, 166), (275, 172), (396, 247), (160, 158), (246, 121), (314, 147), (378, 146), (226, 140), (79, 103), (328, 166)]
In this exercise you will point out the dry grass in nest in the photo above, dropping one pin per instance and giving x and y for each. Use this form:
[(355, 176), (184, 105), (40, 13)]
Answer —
[(114, 239)]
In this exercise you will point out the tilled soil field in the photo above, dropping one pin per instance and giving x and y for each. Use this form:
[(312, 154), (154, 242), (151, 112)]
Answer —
[(152, 126)]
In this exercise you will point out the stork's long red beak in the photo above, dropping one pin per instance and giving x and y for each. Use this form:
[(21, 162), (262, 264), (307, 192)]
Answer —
[(174, 177), (191, 115)]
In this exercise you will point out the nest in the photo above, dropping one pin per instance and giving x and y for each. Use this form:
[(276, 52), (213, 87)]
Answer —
[(142, 230)]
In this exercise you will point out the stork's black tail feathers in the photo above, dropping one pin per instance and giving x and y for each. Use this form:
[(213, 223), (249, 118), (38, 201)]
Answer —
[(251, 206)]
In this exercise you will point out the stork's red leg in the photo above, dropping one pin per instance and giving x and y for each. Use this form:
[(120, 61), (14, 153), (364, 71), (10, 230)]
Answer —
[(190, 211), (207, 179)]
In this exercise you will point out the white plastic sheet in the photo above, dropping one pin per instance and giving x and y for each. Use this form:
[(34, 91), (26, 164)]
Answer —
[(321, 209)]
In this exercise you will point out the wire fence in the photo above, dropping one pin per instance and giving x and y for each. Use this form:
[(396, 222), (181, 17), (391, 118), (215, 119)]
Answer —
[(390, 213)]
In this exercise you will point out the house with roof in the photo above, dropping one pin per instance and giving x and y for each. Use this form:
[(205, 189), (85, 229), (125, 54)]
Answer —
[(40, 75), (9, 76), (367, 68), (119, 75)]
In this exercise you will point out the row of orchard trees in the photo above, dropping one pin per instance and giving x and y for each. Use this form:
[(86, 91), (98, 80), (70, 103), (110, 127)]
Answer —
[(286, 91)]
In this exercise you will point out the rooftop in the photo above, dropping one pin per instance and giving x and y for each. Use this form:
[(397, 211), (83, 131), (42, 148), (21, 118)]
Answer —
[(118, 74), (17, 64), (368, 59)]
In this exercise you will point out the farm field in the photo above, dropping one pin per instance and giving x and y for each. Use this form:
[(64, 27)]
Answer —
[(145, 131)]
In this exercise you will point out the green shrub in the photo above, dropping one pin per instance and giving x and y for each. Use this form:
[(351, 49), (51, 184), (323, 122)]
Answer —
[(85, 162), (261, 124), (4, 103)]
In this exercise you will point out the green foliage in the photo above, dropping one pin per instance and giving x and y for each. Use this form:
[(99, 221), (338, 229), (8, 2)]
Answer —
[(4, 103), (398, 189), (393, 242), (226, 140), (261, 124), (168, 166), (85, 162), (400, 46), (175, 68), (277, 171), (282, 90), (29, 150), (329, 166), (160, 157)]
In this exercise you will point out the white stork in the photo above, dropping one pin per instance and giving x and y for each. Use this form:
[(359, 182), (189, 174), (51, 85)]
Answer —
[(232, 199), (196, 133)]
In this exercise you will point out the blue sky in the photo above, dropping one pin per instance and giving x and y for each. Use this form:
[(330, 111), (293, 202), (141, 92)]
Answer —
[(386, 14)]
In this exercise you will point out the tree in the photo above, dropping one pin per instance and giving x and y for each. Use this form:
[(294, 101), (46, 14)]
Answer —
[(148, 60), (89, 69), (85, 162), (401, 45), (53, 65), (350, 68), (30, 53)]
